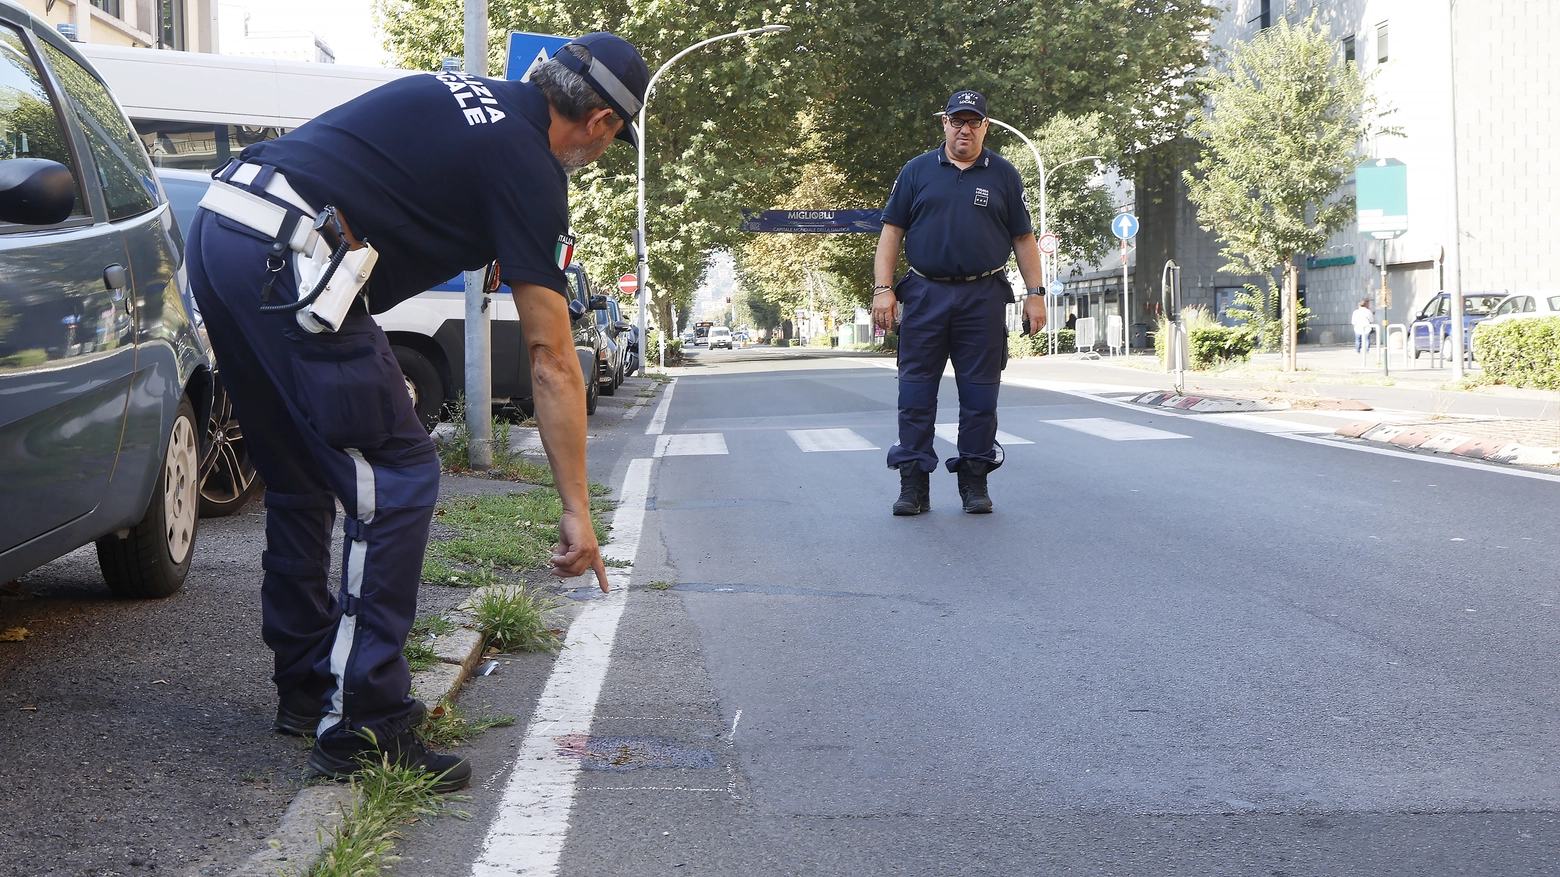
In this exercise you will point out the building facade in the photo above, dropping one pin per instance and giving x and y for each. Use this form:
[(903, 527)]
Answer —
[(181, 25), (1471, 86)]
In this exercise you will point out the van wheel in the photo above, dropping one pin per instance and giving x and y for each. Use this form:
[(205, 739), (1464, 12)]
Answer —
[(154, 556), (422, 383)]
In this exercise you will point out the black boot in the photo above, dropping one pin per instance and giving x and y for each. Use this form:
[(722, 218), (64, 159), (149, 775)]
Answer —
[(972, 489), (298, 711), (341, 759), (915, 492)]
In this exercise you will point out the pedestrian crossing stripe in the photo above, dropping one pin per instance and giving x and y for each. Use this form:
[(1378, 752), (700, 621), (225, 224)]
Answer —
[(949, 432), (700, 444), (1115, 430), (816, 440)]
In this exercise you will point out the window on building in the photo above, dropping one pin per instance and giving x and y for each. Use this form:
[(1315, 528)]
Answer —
[(112, 7), (1381, 43), (1348, 48), (170, 24), (1264, 16)]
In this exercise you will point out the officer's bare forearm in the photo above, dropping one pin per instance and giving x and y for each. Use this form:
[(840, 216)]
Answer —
[(1027, 250), (887, 254), (558, 389)]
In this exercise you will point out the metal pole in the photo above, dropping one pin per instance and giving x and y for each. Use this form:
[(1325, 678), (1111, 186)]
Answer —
[(641, 248), (1459, 340), (479, 339), (1386, 299), (1126, 299)]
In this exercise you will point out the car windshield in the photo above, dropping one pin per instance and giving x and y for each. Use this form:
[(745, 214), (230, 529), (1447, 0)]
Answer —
[(1480, 305)]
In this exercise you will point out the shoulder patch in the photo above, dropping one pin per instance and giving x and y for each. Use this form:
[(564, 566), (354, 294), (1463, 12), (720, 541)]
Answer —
[(564, 251)]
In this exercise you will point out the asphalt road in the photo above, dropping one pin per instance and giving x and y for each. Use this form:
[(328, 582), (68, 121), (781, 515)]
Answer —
[(1177, 647), (1210, 651)]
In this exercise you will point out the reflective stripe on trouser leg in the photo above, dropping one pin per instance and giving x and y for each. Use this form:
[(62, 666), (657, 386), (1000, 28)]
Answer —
[(355, 556), (298, 613)]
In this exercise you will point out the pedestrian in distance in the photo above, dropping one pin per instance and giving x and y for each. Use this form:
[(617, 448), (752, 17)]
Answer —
[(1364, 324), (959, 212), (298, 242)]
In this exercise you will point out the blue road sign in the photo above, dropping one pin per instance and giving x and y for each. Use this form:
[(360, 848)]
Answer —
[(1055, 287), (1125, 226), (526, 49)]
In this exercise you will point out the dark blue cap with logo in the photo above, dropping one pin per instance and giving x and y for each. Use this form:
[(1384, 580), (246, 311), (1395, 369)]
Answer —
[(616, 71), (973, 101)]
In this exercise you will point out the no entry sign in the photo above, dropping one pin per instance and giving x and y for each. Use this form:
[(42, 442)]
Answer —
[(628, 283)]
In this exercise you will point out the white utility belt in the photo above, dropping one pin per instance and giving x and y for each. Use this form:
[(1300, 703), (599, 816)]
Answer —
[(319, 310)]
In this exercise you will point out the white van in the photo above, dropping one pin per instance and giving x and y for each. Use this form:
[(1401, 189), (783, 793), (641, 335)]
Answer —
[(720, 336)]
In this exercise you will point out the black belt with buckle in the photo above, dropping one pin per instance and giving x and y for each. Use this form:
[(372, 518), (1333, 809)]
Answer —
[(965, 278)]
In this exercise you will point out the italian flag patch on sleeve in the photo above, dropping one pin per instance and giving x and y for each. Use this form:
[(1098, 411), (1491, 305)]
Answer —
[(564, 251)]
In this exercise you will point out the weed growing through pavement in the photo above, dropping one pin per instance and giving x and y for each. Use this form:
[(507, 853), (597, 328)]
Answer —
[(660, 586), (389, 796), (419, 648), (508, 463), (513, 531), (514, 618), (448, 725)]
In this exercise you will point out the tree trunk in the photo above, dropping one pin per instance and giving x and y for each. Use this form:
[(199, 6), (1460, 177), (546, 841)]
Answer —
[(1291, 316)]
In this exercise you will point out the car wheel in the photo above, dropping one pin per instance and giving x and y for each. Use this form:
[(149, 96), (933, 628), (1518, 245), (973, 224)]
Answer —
[(592, 396), (227, 476), (152, 558), (422, 384)]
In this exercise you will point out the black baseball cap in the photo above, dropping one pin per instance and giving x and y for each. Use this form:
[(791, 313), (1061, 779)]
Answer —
[(616, 71), (972, 101)]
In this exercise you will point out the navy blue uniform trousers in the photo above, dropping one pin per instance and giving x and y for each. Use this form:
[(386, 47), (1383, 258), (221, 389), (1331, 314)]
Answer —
[(965, 322), (326, 417)]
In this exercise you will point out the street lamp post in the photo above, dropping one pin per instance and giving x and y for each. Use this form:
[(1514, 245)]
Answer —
[(1044, 227), (641, 247)]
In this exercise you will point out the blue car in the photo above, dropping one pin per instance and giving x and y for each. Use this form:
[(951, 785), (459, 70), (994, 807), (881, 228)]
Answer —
[(105, 386), (1432, 329)]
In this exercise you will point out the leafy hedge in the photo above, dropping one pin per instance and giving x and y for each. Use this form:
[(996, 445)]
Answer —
[(1520, 353), (1039, 344), (1212, 345), (780, 342)]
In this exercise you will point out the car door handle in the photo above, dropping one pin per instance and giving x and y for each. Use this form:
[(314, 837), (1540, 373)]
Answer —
[(115, 278)]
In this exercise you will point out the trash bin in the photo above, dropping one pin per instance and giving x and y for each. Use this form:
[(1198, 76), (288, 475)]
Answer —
[(1139, 335)]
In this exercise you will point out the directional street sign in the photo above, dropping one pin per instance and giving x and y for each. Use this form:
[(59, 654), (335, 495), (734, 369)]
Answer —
[(1055, 287), (1381, 197), (528, 49), (628, 283), (1125, 226), (1048, 243)]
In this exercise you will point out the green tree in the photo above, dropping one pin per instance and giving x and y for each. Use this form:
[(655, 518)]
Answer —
[(1283, 131), (1078, 212)]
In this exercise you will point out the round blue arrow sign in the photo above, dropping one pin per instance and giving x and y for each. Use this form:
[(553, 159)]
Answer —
[(1125, 226)]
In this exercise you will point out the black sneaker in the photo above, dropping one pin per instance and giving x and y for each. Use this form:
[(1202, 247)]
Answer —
[(298, 712), (915, 492), (342, 759), (972, 489)]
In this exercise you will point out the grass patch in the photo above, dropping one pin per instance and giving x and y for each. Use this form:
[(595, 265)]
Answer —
[(508, 463), (419, 650), (388, 798), (514, 618), (448, 725), (660, 586), (514, 531)]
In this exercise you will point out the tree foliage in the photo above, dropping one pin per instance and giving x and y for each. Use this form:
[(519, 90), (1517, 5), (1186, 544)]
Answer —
[(1283, 131)]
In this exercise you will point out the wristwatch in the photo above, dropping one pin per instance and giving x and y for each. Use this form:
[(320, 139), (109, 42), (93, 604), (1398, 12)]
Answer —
[(1035, 290)]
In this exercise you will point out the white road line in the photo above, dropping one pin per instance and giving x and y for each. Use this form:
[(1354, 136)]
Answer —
[(876, 363), (1115, 430), (658, 422), (528, 831), (816, 440), (695, 444), (949, 432)]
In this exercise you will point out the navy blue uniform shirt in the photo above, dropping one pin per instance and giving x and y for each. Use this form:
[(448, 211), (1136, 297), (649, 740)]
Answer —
[(958, 222), (442, 174)]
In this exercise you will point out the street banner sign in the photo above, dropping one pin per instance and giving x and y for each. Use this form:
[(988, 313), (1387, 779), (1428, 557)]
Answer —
[(628, 283), (1381, 198), (526, 50), (1055, 287), (1125, 226), (1048, 243), (813, 221)]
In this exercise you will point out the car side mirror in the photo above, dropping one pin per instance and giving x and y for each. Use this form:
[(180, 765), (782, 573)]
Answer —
[(35, 191), (622, 326), (576, 309), (598, 302)]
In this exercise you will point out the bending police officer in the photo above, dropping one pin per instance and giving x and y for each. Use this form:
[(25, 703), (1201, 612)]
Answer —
[(431, 175), (958, 210)]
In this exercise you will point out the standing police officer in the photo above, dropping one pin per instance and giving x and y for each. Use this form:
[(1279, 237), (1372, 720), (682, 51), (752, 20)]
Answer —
[(436, 174), (959, 210)]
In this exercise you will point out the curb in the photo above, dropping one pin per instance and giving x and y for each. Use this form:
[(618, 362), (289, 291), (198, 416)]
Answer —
[(1472, 447), (1206, 404), (317, 810)]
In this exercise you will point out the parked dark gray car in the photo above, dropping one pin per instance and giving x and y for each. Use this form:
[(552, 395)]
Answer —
[(104, 384)]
